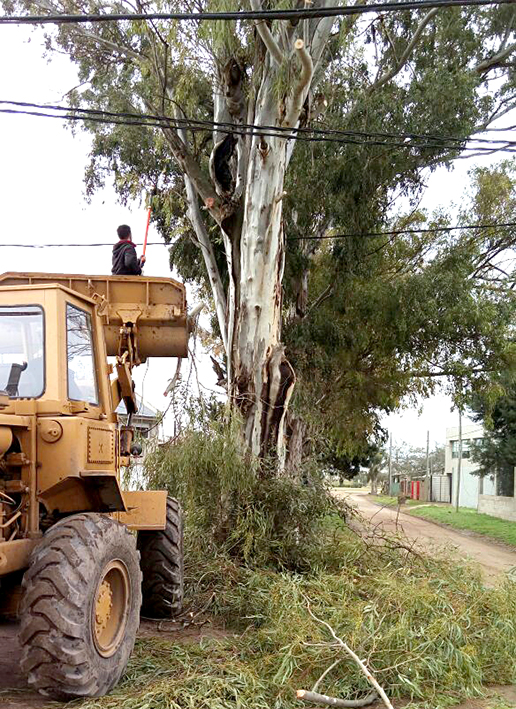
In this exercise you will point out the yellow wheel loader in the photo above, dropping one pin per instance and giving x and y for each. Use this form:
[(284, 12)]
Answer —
[(77, 553)]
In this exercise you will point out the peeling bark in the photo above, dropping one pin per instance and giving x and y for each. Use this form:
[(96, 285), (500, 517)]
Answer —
[(263, 377)]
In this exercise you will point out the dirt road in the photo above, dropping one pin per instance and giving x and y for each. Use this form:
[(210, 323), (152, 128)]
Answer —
[(494, 559)]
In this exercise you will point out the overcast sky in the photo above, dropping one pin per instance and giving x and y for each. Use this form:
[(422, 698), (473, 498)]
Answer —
[(42, 196)]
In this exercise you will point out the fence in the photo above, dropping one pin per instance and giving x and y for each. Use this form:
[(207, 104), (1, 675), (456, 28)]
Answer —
[(416, 489)]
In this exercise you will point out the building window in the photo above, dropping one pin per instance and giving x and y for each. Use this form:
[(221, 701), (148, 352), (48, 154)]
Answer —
[(466, 445), (466, 448)]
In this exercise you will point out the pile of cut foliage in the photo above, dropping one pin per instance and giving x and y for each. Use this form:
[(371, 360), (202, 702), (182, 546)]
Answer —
[(261, 552)]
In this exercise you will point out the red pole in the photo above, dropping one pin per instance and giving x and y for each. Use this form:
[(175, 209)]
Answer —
[(146, 231)]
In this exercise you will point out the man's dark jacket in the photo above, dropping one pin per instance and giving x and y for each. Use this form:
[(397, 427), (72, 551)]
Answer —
[(125, 261)]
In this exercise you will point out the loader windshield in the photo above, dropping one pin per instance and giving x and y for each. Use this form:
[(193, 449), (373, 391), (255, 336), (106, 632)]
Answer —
[(82, 384), (22, 351)]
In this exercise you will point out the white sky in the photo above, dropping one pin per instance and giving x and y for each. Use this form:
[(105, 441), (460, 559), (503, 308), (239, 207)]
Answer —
[(42, 201)]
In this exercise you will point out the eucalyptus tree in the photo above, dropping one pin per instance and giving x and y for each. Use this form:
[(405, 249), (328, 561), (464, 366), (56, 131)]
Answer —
[(392, 318), (226, 191)]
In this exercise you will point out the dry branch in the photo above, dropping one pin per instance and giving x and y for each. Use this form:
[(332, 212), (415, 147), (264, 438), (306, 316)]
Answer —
[(364, 669), (316, 698)]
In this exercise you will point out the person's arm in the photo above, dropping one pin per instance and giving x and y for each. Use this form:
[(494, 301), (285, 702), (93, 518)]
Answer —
[(131, 261)]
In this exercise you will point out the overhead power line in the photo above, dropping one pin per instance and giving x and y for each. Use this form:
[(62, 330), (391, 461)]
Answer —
[(306, 135), (187, 123), (354, 235), (292, 14), (397, 232)]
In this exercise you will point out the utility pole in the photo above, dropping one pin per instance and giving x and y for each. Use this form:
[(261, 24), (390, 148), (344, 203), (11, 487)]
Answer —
[(428, 478), (390, 463), (459, 463)]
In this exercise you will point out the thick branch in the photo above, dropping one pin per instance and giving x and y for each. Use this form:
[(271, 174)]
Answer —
[(121, 49), (203, 240), (406, 54), (191, 167), (267, 36), (496, 59), (320, 32), (204, 243), (302, 85)]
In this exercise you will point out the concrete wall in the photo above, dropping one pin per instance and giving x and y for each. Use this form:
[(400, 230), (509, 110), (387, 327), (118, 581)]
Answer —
[(496, 506), (489, 485), (468, 496)]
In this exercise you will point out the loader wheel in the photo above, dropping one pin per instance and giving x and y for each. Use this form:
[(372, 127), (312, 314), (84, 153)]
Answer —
[(162, 566), (80, 607)]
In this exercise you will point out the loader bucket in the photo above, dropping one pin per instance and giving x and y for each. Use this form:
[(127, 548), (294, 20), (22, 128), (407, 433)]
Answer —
[(157, 306)]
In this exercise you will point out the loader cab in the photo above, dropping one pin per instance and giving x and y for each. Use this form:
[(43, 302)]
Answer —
[(52, 351)]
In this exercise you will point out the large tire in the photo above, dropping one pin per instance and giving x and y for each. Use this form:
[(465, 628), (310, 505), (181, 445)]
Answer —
[(162, 566), (80, 607)]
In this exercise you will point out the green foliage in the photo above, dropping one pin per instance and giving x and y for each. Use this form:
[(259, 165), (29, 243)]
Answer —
[(260, 551), (430, 631), (237, 504), (466, 518), (495, 407), (388, 311)]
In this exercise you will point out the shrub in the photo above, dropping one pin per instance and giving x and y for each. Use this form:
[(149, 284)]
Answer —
[(237, 504)]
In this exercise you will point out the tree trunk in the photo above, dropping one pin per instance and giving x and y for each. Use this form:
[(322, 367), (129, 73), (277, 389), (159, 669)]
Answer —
[(248, 174), (262, 378), (297, 445)]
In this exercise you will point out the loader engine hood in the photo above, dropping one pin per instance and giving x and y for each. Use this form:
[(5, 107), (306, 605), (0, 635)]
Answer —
[(6, 440)]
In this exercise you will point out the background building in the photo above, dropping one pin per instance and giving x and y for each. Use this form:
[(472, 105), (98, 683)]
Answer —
[(493, 494), (469, 487)]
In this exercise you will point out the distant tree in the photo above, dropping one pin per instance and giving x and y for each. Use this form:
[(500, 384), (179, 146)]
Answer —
[(410, 461), (495, 408), (377, 469), (437, 460)]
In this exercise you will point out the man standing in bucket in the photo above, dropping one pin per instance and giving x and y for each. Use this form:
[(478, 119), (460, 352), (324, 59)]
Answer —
[(125, 262)]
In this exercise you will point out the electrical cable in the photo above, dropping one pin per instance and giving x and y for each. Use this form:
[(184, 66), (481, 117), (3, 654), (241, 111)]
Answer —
[(405, 231), (289, 14), (187, 122), (356, 235), (260, 132)]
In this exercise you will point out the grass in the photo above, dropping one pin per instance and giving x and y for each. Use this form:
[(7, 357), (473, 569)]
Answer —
[(471, 520), (393, 501)]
